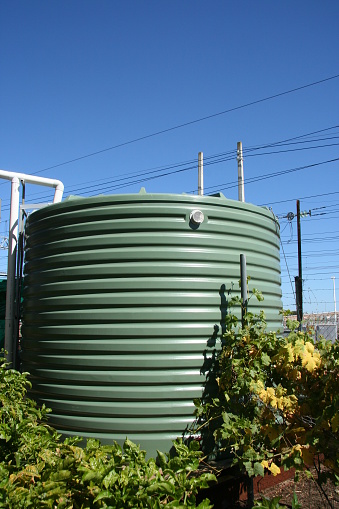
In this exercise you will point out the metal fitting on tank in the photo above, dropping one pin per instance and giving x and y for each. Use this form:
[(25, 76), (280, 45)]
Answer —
[(196, 216)]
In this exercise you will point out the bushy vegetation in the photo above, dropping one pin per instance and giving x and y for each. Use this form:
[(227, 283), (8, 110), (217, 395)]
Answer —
[(270, 402), (275, 403), (39, 470)]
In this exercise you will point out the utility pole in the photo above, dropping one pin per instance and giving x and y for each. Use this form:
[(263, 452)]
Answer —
[(299, 278), (241, 186), (335, 301), (200, 174)]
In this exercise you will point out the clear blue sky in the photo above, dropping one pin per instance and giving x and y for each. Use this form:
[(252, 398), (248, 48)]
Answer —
[(81, 76)]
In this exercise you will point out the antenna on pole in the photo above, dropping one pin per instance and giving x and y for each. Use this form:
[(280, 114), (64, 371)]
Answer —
[(241, 186), (200, 174)]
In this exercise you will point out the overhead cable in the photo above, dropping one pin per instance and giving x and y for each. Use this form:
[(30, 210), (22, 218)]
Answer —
[(191, 122)]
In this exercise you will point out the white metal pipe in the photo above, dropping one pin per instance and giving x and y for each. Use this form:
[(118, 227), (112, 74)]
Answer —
[(16, 178), (12, 245), (32, 179), (200, 174)]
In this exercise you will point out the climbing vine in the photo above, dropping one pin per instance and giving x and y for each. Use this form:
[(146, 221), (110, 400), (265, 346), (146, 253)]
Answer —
[(275, 403)]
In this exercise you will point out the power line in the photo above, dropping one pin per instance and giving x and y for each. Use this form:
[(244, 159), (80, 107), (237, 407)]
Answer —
[(290, 140), (191, 122), (219, 187), (288, 271), (302, 198), (319, 233), (322, 218), (319, 254), (319, 278), (221, 157), (275, 174), (309, 268), (318, 289), (315, 274), (292, 150), (209, 160), (316, 240)]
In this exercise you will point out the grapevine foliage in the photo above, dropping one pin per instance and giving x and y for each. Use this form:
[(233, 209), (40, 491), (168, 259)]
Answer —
[(276, 403)]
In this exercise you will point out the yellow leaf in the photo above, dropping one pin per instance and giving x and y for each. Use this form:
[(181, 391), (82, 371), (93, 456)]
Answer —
[(309, 347), (309, 361), (299, 347), (274, 469), (270, 392)]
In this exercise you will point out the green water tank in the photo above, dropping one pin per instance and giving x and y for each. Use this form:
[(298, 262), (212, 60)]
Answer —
[(122, 295)]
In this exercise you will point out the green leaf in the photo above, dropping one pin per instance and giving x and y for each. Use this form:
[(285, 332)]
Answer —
[(110, 479), (161, 488), (258, 469), (50, 486), (61, 475), (249, 468), (267, 503), (89, 476), (258, 294), (265, 359), (194, 445), (162, 460), (295, 503), (205, 504), (208, 477), (102, 495), (175, 464)]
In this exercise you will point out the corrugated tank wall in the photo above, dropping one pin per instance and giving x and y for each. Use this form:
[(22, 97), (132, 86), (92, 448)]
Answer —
[(122, 294)]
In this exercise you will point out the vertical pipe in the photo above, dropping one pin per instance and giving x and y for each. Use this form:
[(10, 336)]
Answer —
[(18, 281), (13, 240), (200, 174), (243, 282), (12, 246), (241, 186), (59, 190)]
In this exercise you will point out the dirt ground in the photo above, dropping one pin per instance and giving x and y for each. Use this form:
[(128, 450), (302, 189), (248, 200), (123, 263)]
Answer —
[(231, 492), (308, 493)]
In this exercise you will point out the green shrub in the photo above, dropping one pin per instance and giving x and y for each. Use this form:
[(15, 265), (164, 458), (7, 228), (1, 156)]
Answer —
[(39, 470)]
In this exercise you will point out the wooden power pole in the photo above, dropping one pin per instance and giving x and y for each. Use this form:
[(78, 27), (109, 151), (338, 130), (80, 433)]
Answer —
[(299, 278)]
